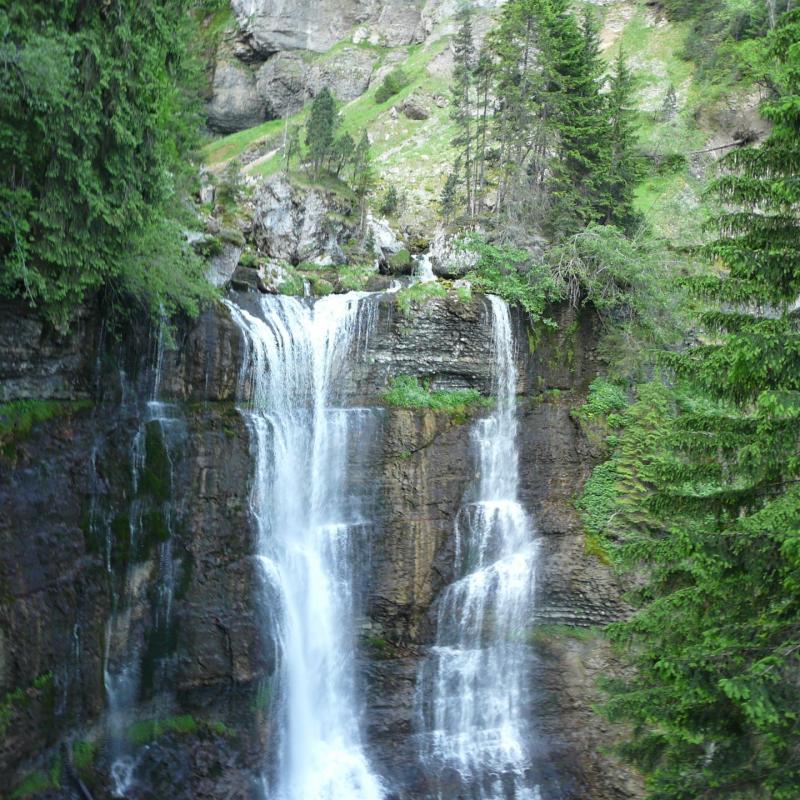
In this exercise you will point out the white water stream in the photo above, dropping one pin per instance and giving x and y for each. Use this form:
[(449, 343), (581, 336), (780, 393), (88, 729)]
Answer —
[(472, 694), (311, 531)]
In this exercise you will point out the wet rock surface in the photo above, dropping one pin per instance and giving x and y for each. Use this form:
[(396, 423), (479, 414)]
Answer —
[(65, 490)]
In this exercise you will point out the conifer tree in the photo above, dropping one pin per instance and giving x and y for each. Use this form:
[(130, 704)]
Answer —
[(623, 169), (323, 122), (579, 177), (449, 197), (363, 175), (715, 702), (463, 107)]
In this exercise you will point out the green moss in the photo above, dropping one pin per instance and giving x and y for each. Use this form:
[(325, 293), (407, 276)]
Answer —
[(41, 688), (593, 546), (33, 784), (321, 287), (148, 730), (19, 417), (83, 755), (221, 729), (400, 260), (544, 633), (232, 236), (292, 286), (263, 695), (155, 479)]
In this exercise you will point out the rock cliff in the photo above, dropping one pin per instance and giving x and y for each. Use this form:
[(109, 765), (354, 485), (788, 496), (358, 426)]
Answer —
[(128, 551)]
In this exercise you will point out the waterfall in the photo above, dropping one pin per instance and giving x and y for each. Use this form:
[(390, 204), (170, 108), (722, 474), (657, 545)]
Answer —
[(138, 632), (472, 694), (311, 534)]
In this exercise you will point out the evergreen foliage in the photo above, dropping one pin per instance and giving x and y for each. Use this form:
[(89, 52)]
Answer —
[(321, 127), (705, 494), (564, 150), (391, 85), (97, 119)]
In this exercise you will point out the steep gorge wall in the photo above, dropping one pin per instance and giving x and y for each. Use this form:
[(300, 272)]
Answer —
[(58, 593)]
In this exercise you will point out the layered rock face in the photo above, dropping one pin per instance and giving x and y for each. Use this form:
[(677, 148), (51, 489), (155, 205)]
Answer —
[(128, 540), (280, 54)]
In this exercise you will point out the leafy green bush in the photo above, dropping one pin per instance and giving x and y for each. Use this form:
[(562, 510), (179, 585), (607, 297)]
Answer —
[(391, 85), (390, 203), (512, 274), (405, 391)]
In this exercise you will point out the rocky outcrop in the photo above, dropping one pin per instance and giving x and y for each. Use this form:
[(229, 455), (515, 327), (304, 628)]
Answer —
[(235, 101), (297, 225), (272, 26)]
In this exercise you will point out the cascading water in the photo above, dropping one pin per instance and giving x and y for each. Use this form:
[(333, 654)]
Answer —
[(312, 530), (472, 694), (131, 640)]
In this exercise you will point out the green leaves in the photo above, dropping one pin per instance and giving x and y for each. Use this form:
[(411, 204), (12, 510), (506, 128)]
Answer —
[(702, 492), (97, 119)]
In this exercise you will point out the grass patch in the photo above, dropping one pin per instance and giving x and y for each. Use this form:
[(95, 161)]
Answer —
[(406, 391), (148, 730), (21, 697), (18, 418), (417, 295), (39, 781), (83, 753)]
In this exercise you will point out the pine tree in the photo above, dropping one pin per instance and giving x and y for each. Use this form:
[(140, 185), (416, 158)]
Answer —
[(624, 165), (715, 703), (449, 197), (483, 89), (363, 175), (463, 108), (578, 182), (323, 122)]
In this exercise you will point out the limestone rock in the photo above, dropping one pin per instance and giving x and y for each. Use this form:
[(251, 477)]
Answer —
[(416, 107), (282, 83), (299, 225), (235, 102), (448, 258), (274, 25)]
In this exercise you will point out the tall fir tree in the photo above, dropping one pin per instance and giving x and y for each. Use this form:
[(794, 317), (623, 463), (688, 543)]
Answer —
[(578, 181), (463, 103), (714, 702), (323, 122), (623, 169)]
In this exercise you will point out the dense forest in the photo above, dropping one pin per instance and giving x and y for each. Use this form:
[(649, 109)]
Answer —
[(696, 499)]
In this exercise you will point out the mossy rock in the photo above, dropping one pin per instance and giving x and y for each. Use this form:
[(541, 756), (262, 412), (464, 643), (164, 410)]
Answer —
[(232, 236), (321, 287), (400, 261)]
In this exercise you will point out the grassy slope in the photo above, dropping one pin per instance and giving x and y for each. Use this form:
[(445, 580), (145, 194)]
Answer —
[(416, 155)]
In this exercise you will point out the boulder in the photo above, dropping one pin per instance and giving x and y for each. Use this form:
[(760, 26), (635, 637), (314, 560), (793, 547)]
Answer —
[(416, 106), (346, 73), (448, 258), (282, 83)]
